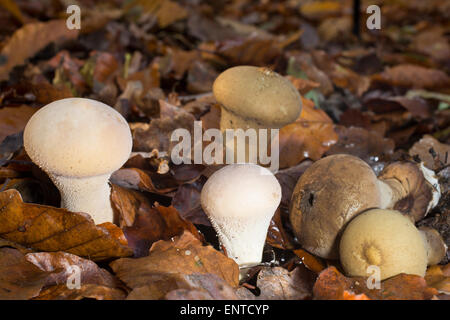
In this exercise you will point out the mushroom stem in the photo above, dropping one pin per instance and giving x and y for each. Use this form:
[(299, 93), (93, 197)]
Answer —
[(391, 191), (434, 244), (88, 195), (243, 238)]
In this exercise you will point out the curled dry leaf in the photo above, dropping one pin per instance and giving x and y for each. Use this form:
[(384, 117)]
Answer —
[(331, 284), (45, 228), (182, 287), (310, 136), (156, 135), (367, 145), (187, 201), (433, 153), (96, 283), (279, 284), (183, 255), (29, 40), (19, 278), (86, 291), (413, 76), (145, 224), (276, 234), (14, 119)]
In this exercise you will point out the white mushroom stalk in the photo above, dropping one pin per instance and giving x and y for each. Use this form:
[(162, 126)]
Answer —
[(240, 201), (80, 143)]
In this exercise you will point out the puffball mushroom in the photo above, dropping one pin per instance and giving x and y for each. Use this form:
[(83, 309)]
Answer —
[(240, 200), (79, 143), (387, 239), (337, 188), (257, 98)]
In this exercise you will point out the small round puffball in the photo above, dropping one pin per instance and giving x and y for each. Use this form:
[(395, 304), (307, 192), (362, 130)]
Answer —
[(240, 191), (383, 238), (78, 137)]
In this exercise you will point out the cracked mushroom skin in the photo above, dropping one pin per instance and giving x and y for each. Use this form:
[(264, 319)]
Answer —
[(384, 238), (79, 142), (255, 98), (331, 192), (240, 201)]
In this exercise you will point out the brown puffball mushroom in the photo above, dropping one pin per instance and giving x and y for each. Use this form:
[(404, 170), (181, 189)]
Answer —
[(329, 193), (386, 239), (257, 98), (338, 187), (79, 143), (435, 245)]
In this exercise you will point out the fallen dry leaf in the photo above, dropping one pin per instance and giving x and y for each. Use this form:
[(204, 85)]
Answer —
[(331, 284), (31, 38), (181, 255), (14, 119), (310, 136), (19, 278), (45, 228), (86, 291), (413, 76)]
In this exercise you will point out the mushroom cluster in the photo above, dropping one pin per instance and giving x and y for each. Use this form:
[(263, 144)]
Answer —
[(337, 188), (79, 143)]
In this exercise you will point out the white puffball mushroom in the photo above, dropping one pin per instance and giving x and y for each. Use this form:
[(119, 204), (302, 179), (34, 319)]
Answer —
[(80, 143), (240, 201)]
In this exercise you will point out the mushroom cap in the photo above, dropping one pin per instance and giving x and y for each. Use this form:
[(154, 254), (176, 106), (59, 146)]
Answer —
[(259, 94), (241, 191), (385, 238), (78, 137), (329, 193)]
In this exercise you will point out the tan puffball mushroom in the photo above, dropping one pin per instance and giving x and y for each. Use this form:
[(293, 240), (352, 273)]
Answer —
[(240, 200), (336, 188), (384, 238), (79, 143), (257, 98)]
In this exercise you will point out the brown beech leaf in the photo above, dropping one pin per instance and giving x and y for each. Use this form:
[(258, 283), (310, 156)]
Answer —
[(187, 201), (19, 278), (303, 85), (253, 50), (181, 287), (288, 179), (276, 235), (310, 136), (181, 255), (14, 119), (59, 265), (367, 145), (29, 40), (143, 180), (413, 76), (45, 228), (341, 76), (154, 224), (331, 284), (279, 284), (433, 153), (86, 291), (438, 277), (311, 262), (156, 135)]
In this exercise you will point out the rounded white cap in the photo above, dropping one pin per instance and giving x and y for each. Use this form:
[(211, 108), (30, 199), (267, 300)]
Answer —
[(78, 137)]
